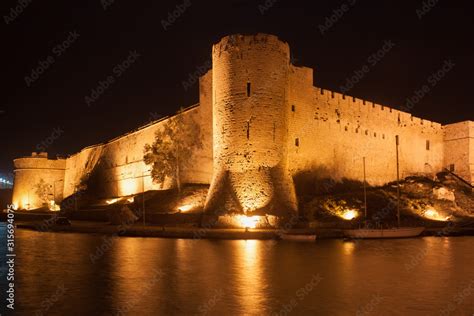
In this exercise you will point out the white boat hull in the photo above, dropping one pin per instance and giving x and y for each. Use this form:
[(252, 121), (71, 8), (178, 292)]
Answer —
[(402, 232), (298, 237)]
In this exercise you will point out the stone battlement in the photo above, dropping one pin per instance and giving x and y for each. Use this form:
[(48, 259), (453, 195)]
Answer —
[(392, 113), (240, 42), (39, 162)]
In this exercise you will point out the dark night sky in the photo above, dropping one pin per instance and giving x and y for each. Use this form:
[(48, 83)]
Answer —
[(153, 84)]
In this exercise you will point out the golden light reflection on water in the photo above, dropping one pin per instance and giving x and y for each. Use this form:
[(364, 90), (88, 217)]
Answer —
[(126, 257), (346, 267), (182, 260), (250, 284), (432, 250), (348, 248), (422, 274)]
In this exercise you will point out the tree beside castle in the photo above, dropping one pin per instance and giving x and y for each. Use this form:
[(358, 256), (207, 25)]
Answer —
[(173, 147)]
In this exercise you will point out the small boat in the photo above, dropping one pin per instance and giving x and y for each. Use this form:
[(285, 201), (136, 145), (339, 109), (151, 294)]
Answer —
[(379, 232), (371, 233), (298, 237)]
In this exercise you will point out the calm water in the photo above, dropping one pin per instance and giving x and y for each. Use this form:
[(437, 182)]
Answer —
[(145, 276)]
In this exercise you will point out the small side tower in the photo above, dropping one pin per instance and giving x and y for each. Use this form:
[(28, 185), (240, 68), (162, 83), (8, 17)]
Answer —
[(33, 172), (459, 149), (250, 124)]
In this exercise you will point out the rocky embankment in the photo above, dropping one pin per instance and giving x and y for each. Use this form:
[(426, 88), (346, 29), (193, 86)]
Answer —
[(430, 202)]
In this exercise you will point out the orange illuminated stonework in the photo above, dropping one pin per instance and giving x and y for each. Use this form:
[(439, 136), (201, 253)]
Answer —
[(262, 123)]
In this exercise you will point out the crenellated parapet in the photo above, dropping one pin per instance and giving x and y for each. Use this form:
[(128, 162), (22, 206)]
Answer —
[(399, 117), (238, 44)]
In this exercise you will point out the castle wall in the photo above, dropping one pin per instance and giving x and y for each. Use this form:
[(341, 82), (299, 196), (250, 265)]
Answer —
[(204, 162), (261, 122), (335, 132), (459, 149), (29, 172), (121, 161), (79, 165)]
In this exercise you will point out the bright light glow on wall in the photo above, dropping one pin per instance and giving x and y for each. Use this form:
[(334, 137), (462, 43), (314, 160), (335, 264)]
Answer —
[(111, 201), (53, 206), (129, 187), (185, 208), (433, 214), (349, 214), (244, 221), (248, 221), (193, 202), (25, 203)]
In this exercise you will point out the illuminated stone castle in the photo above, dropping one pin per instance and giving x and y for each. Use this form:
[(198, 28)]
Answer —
[(263, 123)]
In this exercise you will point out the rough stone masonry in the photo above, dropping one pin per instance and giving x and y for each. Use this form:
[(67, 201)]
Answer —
[(263, 123)]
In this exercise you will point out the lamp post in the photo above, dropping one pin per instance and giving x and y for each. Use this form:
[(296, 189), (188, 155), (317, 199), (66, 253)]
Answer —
[(143, 196), (365, 192), (398, 181)]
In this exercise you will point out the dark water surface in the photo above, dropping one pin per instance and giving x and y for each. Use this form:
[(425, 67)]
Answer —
[(149, 276)]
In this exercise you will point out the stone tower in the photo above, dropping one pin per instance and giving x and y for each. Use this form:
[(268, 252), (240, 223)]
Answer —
[(250, 123), (29, 173)]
